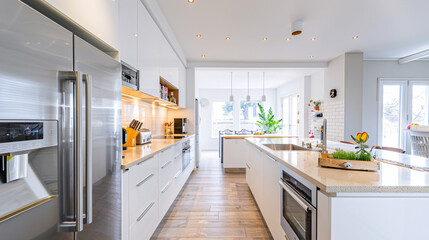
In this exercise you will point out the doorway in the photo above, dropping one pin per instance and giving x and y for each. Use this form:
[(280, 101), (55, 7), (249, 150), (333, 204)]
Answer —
[(401, 102)]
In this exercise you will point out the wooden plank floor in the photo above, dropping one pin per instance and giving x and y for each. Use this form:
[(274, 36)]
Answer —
[(213, 205)]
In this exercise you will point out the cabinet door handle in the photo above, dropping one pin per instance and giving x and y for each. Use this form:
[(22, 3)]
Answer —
[(248, 166), (145, 211), (178, 174), (166, 187), (144, 161), (272, 158), (145, 180), (165, 165)]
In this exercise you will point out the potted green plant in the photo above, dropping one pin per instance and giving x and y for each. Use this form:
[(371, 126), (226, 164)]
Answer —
[(360, 160), (267, 122)]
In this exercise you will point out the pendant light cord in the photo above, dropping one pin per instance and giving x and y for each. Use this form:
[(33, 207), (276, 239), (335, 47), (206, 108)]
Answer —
[(248, 83)]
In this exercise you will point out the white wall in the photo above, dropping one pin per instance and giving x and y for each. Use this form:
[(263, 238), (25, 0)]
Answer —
[(353, 97), (207, 142), (372, 70), (333, 108)]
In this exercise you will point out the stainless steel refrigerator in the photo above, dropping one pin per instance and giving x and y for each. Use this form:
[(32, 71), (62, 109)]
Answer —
[(60, 132), (197, 134)]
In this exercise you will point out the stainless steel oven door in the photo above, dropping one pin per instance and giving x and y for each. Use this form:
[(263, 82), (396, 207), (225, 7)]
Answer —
[(298, 217)]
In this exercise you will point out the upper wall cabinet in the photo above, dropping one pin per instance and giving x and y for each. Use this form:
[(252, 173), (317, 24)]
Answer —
[(128, 31), (168, 66), (149, 52), (182, 84), (100, 17)]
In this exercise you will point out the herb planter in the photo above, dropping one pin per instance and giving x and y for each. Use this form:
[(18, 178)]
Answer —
[(326, 161)]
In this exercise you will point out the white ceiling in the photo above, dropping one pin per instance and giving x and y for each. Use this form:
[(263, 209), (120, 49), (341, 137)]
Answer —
[(221, 78), (387, 29)]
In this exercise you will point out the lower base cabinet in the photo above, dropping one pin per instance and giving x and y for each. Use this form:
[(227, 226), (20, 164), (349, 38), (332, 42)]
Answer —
[(262, 175), (149, 189)]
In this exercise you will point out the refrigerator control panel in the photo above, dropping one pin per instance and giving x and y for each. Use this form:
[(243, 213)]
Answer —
[(26, 135)]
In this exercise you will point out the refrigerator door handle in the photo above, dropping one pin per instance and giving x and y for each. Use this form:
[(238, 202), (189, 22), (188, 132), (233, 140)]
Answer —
[(88, 163), (70, 167)]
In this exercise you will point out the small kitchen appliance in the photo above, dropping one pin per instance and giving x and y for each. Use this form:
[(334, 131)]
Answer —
[(180, 126), (144, 136)]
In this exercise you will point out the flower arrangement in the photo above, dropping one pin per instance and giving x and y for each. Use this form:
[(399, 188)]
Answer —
[(316, 104), (168, 126)]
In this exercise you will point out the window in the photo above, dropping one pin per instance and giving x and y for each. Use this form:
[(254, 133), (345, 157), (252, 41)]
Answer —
[(222, 115), (420, 103), (249, 114), (401, 102), (290, 115), (391, 114)]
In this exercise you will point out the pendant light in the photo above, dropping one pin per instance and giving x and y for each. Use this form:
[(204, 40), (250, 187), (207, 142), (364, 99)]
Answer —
[(231, 98), (248, 87), (264, 98)]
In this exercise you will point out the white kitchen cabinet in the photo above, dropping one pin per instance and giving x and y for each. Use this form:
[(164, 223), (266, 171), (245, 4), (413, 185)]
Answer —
[(182, 84), (128, 29), (168, 68), (373, 216), (235, 153), (100, 17), (271, 190), (143, 199), (150, 188), (262, 176), (149, 52)]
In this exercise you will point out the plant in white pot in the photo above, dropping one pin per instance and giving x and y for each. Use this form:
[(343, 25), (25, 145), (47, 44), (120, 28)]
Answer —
[(267, 121)]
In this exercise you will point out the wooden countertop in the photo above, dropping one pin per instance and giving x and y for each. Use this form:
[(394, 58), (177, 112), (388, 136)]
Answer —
[(140, 153), (389, 179)]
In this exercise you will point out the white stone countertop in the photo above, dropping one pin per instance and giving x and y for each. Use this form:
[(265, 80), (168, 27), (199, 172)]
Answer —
[(389, 179)]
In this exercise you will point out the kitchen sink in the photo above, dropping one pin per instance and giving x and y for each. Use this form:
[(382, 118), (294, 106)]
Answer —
[(285, 147)]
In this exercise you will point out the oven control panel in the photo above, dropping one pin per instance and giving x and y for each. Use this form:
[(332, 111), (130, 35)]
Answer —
[(24, 135)]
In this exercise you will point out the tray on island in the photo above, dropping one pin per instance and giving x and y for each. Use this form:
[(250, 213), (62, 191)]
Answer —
[(326, 161)]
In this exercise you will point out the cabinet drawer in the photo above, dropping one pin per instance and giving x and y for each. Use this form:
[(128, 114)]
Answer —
[(142, 170), (166, 173), (142, 194), (166, 198), (146, 223), (165, 156)]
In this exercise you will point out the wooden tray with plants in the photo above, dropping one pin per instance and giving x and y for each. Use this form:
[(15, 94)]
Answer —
[(360, 160)]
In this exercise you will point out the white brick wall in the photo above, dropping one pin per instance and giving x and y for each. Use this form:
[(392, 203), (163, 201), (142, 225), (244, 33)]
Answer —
[(334, 113)]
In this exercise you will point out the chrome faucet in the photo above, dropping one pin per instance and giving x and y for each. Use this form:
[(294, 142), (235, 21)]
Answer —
[(324, 136)]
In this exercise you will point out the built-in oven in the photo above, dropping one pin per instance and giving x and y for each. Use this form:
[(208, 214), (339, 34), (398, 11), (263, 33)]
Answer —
[(298, 206), (186, 154)]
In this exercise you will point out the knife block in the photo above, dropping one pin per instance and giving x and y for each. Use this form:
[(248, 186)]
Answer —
[(131, 137)]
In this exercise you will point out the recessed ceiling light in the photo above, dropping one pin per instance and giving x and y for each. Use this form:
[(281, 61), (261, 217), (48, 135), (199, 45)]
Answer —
[(190, 1), (135, 34), (355, 37), (203, 55), (311, 56), (288, 39), (198, 35), (265, 38), (228, 38), (312, 39)]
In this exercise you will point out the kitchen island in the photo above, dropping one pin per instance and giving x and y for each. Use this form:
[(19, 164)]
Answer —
[(230, 149), (392, 203)]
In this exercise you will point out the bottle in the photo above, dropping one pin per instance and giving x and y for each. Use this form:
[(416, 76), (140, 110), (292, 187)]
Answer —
[(172, 98)]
